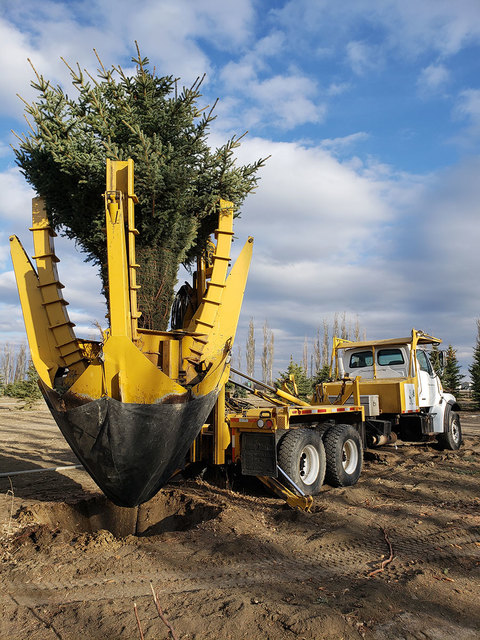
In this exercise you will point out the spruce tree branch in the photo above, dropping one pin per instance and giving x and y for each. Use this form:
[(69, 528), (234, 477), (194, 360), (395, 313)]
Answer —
[(72, 72), (100, 62), (38, 76), (27, 104)]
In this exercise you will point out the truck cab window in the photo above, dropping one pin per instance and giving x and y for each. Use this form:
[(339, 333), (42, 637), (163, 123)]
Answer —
[(424, 362), (389, 357), (361, 359)]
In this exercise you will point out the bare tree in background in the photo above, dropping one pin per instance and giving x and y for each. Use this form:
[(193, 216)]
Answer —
[(239, 357), (305, 356), (250, 349), (271, 351), (317, 352), (267, 354), (21, 364), (357, 329), (343, 327), (335, 331), (325, 346), (7, 363)]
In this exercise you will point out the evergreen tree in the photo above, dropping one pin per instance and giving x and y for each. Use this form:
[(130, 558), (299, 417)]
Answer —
[(452, 377), (178, 178), (27, 389), (436, 362), (303, 383), (475, 369), (322, 375)]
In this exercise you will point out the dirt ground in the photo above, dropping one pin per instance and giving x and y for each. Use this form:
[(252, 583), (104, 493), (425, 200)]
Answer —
[(236, 563)]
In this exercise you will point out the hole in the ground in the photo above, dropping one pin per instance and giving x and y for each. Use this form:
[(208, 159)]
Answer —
[(167, 511)]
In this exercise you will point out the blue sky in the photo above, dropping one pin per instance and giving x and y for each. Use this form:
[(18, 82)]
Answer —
[(370, 110)]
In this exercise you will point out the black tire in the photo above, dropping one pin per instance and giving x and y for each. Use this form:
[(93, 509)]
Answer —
[(301, 455), (344, 453), (451, 438)]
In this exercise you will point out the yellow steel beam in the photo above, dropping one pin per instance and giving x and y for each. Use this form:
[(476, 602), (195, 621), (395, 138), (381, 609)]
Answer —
[(69, 352), (132, 264), (40, 339), (222, 436), (116, 196), (228, 312), (52, 342), (299, 502), (205, 319)]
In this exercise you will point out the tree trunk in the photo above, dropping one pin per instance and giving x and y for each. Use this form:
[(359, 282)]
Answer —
[(157, 277)]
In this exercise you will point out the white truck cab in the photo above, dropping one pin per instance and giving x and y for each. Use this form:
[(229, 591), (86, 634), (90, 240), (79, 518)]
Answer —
[(406, 391)]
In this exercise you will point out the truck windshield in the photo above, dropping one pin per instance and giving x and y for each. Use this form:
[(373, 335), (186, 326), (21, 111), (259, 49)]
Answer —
[(387, 357), (361, 359)]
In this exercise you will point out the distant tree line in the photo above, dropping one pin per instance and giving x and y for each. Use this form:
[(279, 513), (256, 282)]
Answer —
[(314, 365), (18, 377)]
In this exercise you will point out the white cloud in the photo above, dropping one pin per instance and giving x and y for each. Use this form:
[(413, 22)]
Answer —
[(362, 57), (239, 74), (440, 25), (5, 150), (405, 27), (337, 88), (337, 145), (270, 45), (433, 78), (15, 197), (167, 31), (468, 107), (289, 100), (16, 73), (397, 249), (281, 101), (15, 210)]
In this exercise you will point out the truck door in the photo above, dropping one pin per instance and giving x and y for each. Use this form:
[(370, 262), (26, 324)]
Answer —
[(427, 381)]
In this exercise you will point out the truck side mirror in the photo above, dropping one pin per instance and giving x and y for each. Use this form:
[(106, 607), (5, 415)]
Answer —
[(441, 358)]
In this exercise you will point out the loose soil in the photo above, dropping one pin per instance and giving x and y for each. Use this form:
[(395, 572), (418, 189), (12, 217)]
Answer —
[(235, 562)]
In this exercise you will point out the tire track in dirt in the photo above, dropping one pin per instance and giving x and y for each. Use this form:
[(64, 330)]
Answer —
[(339, 561)]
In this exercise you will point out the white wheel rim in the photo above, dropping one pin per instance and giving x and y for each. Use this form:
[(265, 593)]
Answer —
[(455, 431), (309, 464), (349, 456)]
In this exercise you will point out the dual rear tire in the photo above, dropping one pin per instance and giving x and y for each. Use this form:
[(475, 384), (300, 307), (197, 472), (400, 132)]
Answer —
[(308, 460), (301, 455), (344, 454)]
